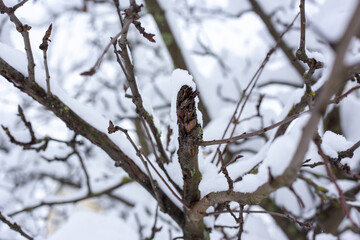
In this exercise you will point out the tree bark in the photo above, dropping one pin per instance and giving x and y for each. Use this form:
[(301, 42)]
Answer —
[(189, 135)]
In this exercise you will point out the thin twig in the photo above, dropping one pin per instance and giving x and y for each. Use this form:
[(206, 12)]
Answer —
[(154, 229), (301, 202), (44, 47), (66, 181), (337, 99), (117, 6), (87, 177), (225, 172), (14, 226), (252, 84), (136, 96), (303, 224), (20, 4), (241, 221), (267, 20), (301, 55), (74, 200), (112, 129), (157, 157), (113, 40), (24, 30), (330, 173), (252, 134)]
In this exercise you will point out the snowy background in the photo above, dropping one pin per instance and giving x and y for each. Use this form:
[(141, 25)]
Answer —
[(223, 43)]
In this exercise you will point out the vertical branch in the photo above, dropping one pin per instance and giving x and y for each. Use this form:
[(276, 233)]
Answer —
[(137, 99), (241, 221), (117, 6), (225, 172), (330, 173), (337, 79), (303, 26), (87, 177), (235, 118), (189, 132), (301, 52), (24, 30), (44, 47)]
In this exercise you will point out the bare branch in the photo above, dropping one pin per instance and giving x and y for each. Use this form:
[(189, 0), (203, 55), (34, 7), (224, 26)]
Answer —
[(82, 127), (113, 129), (128, 70), (330, 173), (113, 40), (44, 47), (251, 85), (24, 30), (225, 172), (303, 224), (71, 200), (276, 36), (252, 134), (15, 227)]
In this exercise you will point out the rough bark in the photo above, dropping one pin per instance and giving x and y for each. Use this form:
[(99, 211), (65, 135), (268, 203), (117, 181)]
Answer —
[(189, 134)]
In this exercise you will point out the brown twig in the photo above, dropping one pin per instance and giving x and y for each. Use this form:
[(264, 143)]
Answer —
[(112, 129), (225, 172), (44, 47), (157, 157), (20, 4), (14, 226), (330, 173), (131, 15), (252, 134), (67, 181), (118, 11), (74, 200), (148, 36), (32, 144), (27, 145), (154, 229), (313, 164), (24, 30), (241, 221), (303, 224), (337, 99), (74, 122), (301, 202), (120, 62), (301, 55), (113, 40), (251, 86), (87, 177), (128, 70), (266, 19)]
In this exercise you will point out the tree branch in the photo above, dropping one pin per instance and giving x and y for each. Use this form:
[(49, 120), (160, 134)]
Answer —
[(24, 30), (80, 126), (336, 80), (14, 226)]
